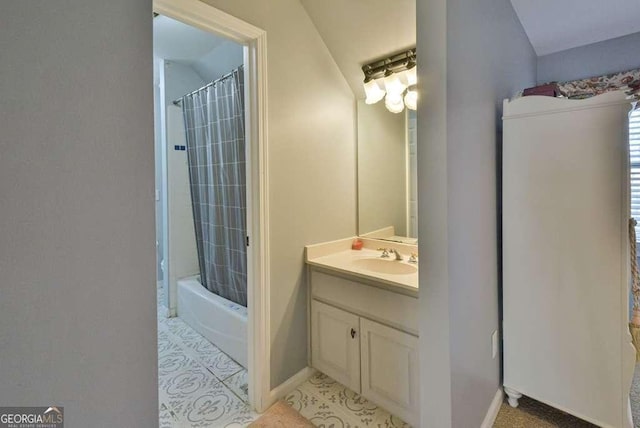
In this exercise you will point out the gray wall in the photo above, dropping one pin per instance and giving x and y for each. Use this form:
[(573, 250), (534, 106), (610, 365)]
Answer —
[(435, 361), (610, 56), (77, 276), (475, 54)]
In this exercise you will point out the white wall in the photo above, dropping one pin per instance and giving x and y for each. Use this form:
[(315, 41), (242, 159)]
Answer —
[(176, 80), (180, 79), (157, 138), (382, 169), (610, 56), (472, 55), (183, 252), (312, 175), (357, 32), (77, 305), (223, 59)]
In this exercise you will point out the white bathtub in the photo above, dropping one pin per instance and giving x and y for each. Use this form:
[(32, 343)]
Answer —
[(221, 321)]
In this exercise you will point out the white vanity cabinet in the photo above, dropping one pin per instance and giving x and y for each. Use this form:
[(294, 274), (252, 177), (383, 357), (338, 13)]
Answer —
[(335, 348), (365, 337), (389, 368)]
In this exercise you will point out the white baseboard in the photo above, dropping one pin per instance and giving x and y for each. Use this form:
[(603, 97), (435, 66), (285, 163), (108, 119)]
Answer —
[(492, 413), (289, 385)]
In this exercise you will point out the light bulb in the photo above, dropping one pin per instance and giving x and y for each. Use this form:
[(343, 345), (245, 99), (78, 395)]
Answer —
[(411, 99), (393, 103), (372, 91), (393, 98), (392, 84)]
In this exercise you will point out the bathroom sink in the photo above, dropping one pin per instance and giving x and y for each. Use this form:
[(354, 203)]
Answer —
[(379, 265)]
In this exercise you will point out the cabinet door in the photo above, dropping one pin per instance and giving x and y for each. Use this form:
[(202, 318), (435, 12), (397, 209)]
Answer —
[(390, 369), (335, 346)]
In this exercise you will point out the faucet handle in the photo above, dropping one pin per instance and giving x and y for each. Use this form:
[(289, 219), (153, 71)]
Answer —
[(413, 258), (385, 252)]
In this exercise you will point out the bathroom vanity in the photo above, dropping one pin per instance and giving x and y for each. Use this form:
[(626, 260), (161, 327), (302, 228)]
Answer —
[(364, 321)]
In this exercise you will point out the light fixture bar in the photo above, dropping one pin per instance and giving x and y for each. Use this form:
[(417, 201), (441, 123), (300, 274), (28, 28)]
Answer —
[(394, 63)]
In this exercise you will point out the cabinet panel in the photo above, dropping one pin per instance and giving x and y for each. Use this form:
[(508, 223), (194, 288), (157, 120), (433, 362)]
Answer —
[(390, 369), (391, 308), (335, 348)]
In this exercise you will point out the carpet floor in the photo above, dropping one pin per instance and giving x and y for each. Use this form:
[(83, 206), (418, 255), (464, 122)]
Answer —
[(635, 397), (531, 413)]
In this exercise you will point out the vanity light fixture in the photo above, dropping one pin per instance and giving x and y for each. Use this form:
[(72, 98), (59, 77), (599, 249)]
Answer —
[(411, 98), (395, 74), (392, 83), (372, 91), (393, 102)]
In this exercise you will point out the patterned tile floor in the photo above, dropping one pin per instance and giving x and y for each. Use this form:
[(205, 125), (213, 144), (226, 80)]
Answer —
[(199, 385), (327, 403)]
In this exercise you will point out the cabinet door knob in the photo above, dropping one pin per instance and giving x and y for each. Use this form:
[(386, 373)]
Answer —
[(353, 333)]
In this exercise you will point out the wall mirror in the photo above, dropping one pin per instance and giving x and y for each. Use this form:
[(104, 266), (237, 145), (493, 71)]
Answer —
[(387, 176)]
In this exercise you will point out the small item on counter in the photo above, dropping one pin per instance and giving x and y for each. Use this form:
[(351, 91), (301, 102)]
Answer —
[(357, 244), (548, 90)]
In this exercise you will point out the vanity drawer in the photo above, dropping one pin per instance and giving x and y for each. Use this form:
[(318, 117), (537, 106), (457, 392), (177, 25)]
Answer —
[(395, 309)]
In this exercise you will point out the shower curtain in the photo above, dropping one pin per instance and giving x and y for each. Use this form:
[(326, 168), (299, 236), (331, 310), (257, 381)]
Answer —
[(214, 126)]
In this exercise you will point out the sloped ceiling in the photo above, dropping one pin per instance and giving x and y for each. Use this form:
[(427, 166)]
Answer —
[(180, 42), (209, 55), (359, 31), (554, 26)]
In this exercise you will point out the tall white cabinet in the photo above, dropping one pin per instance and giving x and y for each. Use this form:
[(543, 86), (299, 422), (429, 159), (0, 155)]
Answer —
[(565, 208)]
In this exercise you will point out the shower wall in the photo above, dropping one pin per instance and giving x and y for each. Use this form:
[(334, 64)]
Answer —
[(171, 80), (157, 137), (174, 80), (183, 256)]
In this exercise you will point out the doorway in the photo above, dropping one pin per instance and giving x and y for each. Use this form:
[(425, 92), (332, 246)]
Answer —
[(226, 378)]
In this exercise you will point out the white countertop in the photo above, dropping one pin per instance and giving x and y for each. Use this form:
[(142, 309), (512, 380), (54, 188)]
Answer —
[(338, 256)]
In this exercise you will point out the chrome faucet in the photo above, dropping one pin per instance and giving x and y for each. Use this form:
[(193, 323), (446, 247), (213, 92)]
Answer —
[(385, 252), (398, 255)]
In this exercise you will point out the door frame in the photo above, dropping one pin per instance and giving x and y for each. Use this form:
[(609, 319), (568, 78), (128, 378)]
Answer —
[(208, 18)]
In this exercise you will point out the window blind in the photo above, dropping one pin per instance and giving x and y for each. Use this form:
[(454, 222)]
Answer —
[(634, 155)]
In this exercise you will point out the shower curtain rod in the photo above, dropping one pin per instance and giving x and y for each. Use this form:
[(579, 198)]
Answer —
[(177, 101)]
